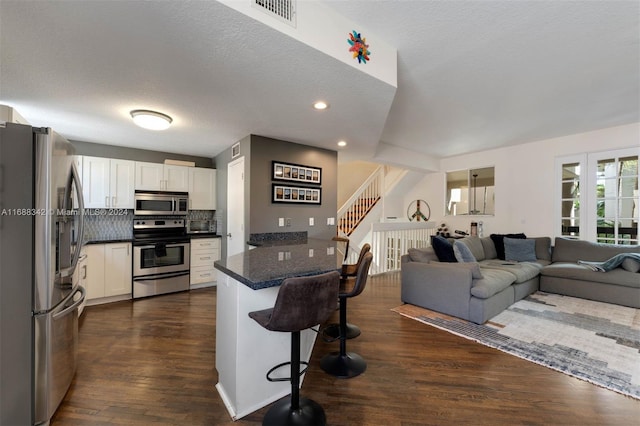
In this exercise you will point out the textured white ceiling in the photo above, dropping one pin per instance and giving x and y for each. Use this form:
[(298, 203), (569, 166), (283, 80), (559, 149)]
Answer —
[(471, 75)]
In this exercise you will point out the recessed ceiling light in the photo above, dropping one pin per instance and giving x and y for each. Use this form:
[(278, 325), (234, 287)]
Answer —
[(151, 120), (320, 105), (342, 143)]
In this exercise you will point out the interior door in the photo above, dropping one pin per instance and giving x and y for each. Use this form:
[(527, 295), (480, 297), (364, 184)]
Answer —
[(235, 207)]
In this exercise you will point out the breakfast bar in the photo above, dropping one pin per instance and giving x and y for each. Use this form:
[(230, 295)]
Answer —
[(245, 351)]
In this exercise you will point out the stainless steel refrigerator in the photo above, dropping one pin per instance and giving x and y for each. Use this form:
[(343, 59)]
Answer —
[(41, 229)]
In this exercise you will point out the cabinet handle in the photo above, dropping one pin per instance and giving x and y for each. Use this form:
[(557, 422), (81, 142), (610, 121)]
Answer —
[(128, 249), (106, 201), (84, 272), (206, 275), (205, 244), (113, 202), (205, 258)]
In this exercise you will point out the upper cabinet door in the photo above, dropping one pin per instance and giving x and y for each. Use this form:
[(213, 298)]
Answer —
[(95, 182), (149, 176), (122, 182), (176, 178), (202, 189)]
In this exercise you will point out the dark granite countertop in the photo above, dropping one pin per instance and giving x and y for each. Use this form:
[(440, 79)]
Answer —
[(205, 235), (268, 265), (109, 241)]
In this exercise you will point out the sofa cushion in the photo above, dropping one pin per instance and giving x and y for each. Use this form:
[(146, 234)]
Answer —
[(494, 282), (475, 245), (519, 250), (498, 241), (630, 265), (425, 254), (522, 271), (489, 248), (462, 252), (474, 267), (568, 250), (443, 249), (543, 248), (574, 271)]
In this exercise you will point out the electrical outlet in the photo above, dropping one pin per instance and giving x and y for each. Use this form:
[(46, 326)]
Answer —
[(288, 221), (281, 221), (310, 252), (311, 221)]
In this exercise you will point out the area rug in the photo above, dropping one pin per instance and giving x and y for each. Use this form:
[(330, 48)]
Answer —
[(593, 341)]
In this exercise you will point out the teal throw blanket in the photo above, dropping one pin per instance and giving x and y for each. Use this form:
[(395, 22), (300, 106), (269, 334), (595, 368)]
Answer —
[(612, 263)]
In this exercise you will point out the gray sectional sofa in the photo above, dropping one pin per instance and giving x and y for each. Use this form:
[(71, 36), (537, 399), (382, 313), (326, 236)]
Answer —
[(477, 291)]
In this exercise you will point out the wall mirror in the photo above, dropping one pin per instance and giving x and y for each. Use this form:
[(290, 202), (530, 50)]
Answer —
[(471, 192)]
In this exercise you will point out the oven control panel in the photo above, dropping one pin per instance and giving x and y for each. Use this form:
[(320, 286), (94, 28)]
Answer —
[(157, 223)]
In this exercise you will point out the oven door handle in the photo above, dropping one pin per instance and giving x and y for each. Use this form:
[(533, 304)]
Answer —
[(161, 276)]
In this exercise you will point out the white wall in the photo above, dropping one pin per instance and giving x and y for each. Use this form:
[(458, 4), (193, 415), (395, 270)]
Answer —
[(525, 180)]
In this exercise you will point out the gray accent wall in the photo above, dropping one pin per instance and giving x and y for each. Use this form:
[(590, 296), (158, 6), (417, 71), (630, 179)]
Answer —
[(125, 153), (261, 215), (264, 213)]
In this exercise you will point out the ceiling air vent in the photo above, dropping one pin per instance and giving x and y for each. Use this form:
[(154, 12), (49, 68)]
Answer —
[(283, 10)]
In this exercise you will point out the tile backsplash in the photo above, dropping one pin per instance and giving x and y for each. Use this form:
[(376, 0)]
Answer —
[(101, 226)]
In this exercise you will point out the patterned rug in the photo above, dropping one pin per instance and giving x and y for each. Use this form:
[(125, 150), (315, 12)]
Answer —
[(593, 341)]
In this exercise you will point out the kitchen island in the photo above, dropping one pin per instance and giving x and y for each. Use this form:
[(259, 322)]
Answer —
[(245, 351)]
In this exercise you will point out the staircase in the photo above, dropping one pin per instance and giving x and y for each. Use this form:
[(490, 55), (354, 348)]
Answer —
[(363, 200), (360, 220)]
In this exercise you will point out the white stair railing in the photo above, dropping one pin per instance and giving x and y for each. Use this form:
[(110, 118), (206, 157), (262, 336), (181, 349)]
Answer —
[(392, 240), (362, 200)]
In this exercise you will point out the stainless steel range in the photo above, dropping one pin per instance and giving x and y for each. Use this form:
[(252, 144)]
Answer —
[(160, 256)]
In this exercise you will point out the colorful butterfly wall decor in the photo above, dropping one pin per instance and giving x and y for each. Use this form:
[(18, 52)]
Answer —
[(359, 47)]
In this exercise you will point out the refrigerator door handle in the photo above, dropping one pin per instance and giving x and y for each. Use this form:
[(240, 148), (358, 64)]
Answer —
[(75, 179), (73, 306)]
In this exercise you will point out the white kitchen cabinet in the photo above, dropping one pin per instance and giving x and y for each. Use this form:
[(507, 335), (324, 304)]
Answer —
[(204, 251), (161, 177), (107, 183), (108, 272), (202, 188)]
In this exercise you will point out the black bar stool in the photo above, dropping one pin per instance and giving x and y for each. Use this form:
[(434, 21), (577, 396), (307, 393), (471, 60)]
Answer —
[(332, 331), (302, 302), (345, 364)]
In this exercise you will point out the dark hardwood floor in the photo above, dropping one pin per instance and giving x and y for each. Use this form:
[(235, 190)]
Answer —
[(152, 361)]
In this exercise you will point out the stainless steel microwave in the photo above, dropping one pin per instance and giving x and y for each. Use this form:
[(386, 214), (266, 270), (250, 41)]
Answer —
[(161, 203)]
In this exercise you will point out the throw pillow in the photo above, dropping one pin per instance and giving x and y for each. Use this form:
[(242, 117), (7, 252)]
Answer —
[(474, 267), (519, 250), (631, 265), (462, 252), (422, 254), (443, 249), (498, 241)]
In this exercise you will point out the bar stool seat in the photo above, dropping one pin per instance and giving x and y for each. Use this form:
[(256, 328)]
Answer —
[(332, 331), (301, 303), (345, 364)]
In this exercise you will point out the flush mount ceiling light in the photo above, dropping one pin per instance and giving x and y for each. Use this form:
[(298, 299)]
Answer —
[(342, 144), (151, 120), (320, 105)]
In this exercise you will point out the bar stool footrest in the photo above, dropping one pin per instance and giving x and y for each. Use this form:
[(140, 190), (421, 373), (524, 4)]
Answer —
[(331, 333), (285, 379)]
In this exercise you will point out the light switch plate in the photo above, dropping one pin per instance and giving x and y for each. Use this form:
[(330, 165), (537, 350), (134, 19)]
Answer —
[(281, 221), (311, 221), (331, 221)]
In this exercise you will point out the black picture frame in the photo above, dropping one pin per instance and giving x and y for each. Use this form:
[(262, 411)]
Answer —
[(283, 193), (298, 173)]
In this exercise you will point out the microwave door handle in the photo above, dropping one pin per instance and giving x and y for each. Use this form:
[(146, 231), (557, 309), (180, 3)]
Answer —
[(173, 205), (75, 179)]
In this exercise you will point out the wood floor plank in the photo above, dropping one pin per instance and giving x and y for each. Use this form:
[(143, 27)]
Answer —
[(152, 361)]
